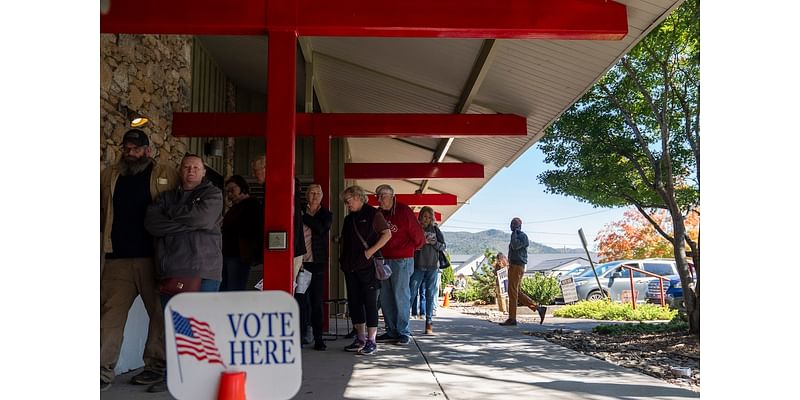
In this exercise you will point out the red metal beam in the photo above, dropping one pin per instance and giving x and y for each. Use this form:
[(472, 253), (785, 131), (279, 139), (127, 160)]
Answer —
[(421, 199), (509, 19), (199, 124), (436, 216), (412, 170), (196, 17), (279, 184)]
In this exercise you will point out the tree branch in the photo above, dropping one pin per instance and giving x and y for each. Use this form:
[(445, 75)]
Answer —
[(632, 125), (647, 216)]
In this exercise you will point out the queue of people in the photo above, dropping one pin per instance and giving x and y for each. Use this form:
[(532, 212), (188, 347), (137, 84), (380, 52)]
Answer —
[(164, 231)]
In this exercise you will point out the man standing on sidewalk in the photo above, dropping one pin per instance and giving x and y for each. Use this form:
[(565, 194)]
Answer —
[(186, 224), (517, 258), (126, 189), (407, 237)]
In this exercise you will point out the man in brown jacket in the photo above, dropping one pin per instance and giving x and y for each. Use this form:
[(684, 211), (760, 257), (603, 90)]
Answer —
[(126, 189)]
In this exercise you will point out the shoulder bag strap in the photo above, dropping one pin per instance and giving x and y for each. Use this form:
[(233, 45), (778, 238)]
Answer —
[(355, 228)]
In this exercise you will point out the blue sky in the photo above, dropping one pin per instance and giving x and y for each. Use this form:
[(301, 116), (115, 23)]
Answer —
[(552, 220)]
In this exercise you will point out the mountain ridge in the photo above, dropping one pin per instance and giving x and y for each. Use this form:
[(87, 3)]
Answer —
[(495, 239)]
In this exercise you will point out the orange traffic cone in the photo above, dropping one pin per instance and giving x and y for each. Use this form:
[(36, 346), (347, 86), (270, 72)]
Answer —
[(446, 302), (231, 386)]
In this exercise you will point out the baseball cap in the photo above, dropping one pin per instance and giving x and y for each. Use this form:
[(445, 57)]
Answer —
[(136, 137)]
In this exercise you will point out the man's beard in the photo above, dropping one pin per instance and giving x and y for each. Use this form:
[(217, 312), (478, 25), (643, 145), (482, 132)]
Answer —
[(133, 166)]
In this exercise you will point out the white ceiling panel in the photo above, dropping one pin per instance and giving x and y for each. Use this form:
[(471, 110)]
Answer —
[(537, 79)]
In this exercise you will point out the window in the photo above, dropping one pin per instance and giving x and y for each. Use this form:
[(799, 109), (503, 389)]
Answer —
[(661, 269), (626, 273)]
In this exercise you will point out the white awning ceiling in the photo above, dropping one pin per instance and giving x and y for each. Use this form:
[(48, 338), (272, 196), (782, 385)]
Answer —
[(538, 79)]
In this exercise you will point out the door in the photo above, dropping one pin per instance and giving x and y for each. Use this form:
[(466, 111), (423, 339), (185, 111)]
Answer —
[(619, 286)]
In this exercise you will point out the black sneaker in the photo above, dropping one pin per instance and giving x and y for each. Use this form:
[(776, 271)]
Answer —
[(104, 386), (320, 345), (404, 340), (147, 378), (355, 346), (542, 312), (369, 348), (386, 338), (158, 387)]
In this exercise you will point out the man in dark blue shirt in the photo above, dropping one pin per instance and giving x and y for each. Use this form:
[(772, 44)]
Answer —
[(517, 258)]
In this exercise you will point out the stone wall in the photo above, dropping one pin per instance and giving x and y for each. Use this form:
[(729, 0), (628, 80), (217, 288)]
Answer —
[(147, 74)]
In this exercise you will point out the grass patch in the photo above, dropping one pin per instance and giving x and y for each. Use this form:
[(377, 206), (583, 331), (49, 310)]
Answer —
[(610, 311), (676, 325)]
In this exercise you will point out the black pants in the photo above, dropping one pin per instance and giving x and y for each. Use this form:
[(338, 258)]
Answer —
[(362, 297), (313, 299)]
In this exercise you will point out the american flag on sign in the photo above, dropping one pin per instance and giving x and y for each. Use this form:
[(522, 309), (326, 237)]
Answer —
[(195, 338)]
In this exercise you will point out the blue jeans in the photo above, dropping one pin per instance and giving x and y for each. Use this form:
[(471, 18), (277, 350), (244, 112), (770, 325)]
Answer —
[(206, 285), (417, 300), (395, 297), (426, 280), (235, 273)]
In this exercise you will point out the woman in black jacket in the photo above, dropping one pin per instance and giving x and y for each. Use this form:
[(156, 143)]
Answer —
[(317, 222), (363, 222), (242, 232)]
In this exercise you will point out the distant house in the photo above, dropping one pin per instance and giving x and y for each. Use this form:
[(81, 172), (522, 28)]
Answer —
[(556, 264), (466, 264)]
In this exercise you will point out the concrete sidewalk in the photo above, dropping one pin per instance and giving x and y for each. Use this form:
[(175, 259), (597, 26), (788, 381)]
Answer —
[(466, 358)]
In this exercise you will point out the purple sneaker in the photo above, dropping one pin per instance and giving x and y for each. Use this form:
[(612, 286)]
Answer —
[(369, 348), (355, 346)]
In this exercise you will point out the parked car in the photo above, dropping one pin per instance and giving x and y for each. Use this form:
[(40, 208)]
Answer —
[(673, 291), (575, 271), (615, 280)]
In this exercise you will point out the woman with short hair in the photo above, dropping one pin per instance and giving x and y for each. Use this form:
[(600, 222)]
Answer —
[(363, 224), (317, 222)]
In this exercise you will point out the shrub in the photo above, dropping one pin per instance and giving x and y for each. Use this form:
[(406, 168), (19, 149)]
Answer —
[(610, 311), (470, 293), (541, 289), (448, 277)]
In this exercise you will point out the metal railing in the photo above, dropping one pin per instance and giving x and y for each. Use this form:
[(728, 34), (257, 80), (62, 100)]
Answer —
[(661, 280)]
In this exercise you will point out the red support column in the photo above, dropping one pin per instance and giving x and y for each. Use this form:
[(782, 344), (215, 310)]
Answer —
[(279, 184), (322, 176)]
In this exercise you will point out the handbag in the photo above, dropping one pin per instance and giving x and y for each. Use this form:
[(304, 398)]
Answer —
[(382, 271), (175, 285), (444, 261)]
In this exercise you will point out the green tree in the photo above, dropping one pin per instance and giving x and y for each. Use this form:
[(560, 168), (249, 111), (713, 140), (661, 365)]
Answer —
[(483, 278), (634, 138), (448, 276)]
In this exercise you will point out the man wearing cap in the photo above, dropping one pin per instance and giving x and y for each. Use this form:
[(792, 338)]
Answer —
[(127, 271), (407, 237)]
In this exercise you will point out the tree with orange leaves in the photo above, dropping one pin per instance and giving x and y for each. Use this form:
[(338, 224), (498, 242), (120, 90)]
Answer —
[(635, 237)]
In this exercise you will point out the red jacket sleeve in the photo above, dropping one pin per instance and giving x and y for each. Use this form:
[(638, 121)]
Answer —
[(417, 235)]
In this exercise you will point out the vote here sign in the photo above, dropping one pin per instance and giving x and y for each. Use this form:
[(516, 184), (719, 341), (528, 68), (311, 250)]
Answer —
[(251, 331)]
